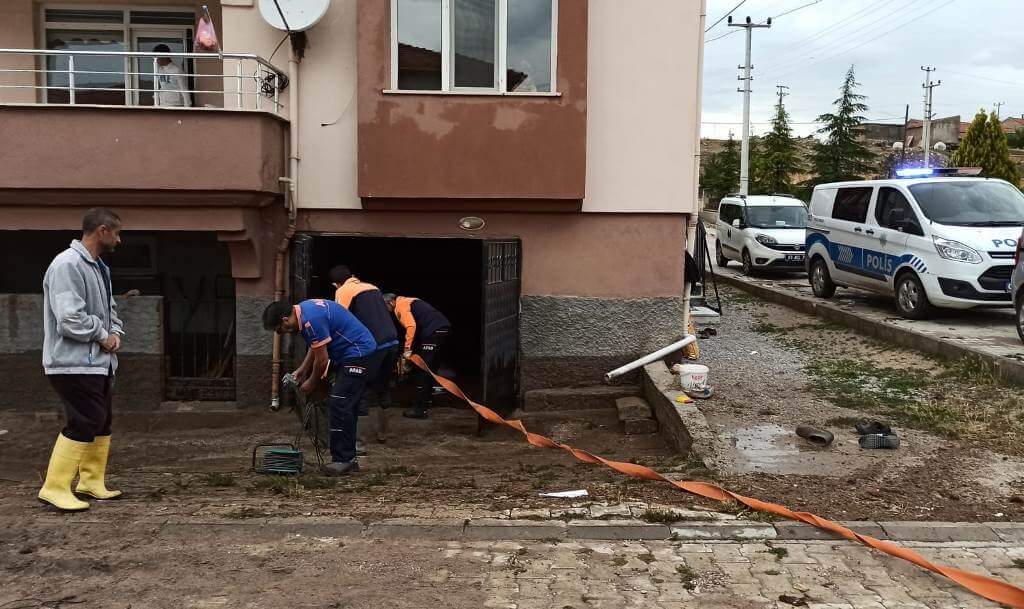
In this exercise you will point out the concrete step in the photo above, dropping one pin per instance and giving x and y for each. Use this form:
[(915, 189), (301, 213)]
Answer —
[(577, 398)]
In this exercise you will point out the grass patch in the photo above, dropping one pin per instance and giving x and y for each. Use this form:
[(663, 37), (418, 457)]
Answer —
[(218, 479), (971, 370), (687, 576), (779, 553), (659, 516)]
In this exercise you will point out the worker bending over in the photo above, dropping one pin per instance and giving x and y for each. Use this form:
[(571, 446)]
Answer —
[(426, 331), (339, 344), (365, 301)]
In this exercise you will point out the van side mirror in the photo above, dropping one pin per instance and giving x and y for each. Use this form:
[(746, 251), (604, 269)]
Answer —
[(737, 223)]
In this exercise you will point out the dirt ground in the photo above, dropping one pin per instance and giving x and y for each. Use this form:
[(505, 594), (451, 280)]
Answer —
[(774, 368)]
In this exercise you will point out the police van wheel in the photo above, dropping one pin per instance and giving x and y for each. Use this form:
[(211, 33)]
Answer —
[(748, 265), (720, 256), (911, 299), (821, 281)]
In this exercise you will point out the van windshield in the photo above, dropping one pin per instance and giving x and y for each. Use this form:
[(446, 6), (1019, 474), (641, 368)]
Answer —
[(970, 203), (777, 216)]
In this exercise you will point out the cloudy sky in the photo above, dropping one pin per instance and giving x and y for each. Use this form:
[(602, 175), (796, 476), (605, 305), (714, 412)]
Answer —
[(976, 46)]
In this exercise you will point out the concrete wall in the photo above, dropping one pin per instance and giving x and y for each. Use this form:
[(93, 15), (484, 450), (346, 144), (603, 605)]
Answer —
[(643, 115), (140, 364)]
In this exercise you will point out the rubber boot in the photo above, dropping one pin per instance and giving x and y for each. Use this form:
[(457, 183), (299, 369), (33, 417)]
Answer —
[(64, 462), (93, 470)]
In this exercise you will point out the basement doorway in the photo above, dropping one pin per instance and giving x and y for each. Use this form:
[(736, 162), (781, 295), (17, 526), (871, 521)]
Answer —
[(474, 282)]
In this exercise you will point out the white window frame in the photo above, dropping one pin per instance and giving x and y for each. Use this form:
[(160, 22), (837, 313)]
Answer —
[(448, 55), (125, 27)]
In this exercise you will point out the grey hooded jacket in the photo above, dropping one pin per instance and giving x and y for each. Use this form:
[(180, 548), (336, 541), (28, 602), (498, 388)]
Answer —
[(79, 313)]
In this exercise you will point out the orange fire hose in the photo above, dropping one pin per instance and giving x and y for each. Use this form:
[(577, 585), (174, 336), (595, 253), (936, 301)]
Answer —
[(982, 585)]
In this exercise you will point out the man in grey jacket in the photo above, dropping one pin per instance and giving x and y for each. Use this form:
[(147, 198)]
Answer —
[(81, 337)]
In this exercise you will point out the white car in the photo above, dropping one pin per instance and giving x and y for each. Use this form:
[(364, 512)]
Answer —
[(761, 231), (928, 241)]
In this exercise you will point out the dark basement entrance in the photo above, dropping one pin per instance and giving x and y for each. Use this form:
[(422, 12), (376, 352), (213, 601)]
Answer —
[(474, 282)]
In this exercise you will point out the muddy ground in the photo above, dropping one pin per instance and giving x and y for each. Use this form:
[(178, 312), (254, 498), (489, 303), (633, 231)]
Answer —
[(774, 368)]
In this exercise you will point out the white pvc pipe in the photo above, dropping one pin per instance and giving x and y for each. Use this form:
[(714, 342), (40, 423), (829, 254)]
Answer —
[(660, 353)]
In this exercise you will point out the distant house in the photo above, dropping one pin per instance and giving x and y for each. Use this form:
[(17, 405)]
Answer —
[(948, 130), (1012, 124)]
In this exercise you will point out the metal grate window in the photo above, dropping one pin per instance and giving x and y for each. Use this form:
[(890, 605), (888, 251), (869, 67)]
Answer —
[(76, 15), (161, 18)]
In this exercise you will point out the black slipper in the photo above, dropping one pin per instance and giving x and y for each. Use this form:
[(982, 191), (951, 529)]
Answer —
[(890, 441), (873, 428)]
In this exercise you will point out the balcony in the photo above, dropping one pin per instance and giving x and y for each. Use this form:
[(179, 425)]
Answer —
[(86, 127)]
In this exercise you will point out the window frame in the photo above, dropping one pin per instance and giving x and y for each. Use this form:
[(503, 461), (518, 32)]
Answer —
[(126, 27), (448, 56)]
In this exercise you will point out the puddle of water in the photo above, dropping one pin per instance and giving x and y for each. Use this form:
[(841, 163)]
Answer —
[(764, 447)]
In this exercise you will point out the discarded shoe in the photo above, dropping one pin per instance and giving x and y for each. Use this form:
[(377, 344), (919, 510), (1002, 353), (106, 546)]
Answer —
[(872, 427), (877, 440), (341, 468), (701, 393), (820, 437)]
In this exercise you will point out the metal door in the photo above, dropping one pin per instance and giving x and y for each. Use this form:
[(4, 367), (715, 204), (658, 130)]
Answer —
[(301, 267), (502, 268)]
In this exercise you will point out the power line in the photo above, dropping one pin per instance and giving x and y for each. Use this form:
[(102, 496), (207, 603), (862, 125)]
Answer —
[(864, 12), (773, 18), (1005, 82), (800, 57), (722, 18), (843, 52)]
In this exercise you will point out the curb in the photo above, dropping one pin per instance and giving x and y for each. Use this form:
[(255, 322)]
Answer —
[(1008, 369), (495, 529)]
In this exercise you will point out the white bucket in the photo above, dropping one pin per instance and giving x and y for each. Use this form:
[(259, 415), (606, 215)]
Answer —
[(692, 376)]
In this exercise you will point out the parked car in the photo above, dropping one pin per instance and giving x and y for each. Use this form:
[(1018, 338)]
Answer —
[(1017, 285), (761, 231), (927, 240)]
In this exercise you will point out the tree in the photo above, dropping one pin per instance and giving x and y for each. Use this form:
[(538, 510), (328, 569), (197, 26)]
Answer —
[(984, 145), (841, 156), (1016, 139), (777, 157), (721, 174)]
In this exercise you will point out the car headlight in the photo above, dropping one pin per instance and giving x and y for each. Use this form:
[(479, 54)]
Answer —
[(765, 240), (956, 251)]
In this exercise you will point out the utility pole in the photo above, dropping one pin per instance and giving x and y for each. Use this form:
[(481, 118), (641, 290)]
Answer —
[(782, 92), (746, 90), (999, 106), (928, 86), (903, 143)]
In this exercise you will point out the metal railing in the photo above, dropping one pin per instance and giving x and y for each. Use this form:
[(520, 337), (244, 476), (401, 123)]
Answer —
[(241, 81)]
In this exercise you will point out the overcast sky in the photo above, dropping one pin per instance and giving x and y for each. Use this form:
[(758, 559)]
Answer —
[(975, 44)]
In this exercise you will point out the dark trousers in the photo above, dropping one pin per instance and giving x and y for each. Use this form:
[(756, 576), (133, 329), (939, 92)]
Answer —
[(87, 410), (379, 389), (430, 349), (350, 378)]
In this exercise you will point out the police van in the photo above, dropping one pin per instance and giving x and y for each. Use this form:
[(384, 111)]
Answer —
[(929, 237)]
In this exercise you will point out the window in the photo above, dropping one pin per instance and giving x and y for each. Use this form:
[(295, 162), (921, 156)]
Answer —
[(728, 213), (474, 46), (970, 203), (892, 210), (852, 204), (110, 80)]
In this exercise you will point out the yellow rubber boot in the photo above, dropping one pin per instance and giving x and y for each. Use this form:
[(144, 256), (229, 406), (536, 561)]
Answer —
[(93, 470), (64, 461)]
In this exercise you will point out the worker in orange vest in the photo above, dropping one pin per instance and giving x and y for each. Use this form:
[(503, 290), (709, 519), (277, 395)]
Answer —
[(426, 332)]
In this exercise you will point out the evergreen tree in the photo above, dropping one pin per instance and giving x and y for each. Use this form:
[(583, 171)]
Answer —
[(721, 175), (841, 156), (984, 145), (1016, 139), (777, 158)]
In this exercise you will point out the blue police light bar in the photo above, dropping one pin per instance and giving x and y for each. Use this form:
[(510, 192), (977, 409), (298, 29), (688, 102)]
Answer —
[(915, 172)]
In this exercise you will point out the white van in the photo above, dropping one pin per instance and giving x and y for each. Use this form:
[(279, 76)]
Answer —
[(942, 241), (761, 231)]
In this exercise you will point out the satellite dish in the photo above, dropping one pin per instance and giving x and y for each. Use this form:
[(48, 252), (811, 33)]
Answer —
[(299, 15)]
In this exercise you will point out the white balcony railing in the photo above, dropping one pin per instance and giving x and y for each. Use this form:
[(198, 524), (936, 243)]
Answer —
[(239, 81)]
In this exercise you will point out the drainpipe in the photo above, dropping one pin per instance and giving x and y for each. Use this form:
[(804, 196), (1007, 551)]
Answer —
[(292, 199)]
